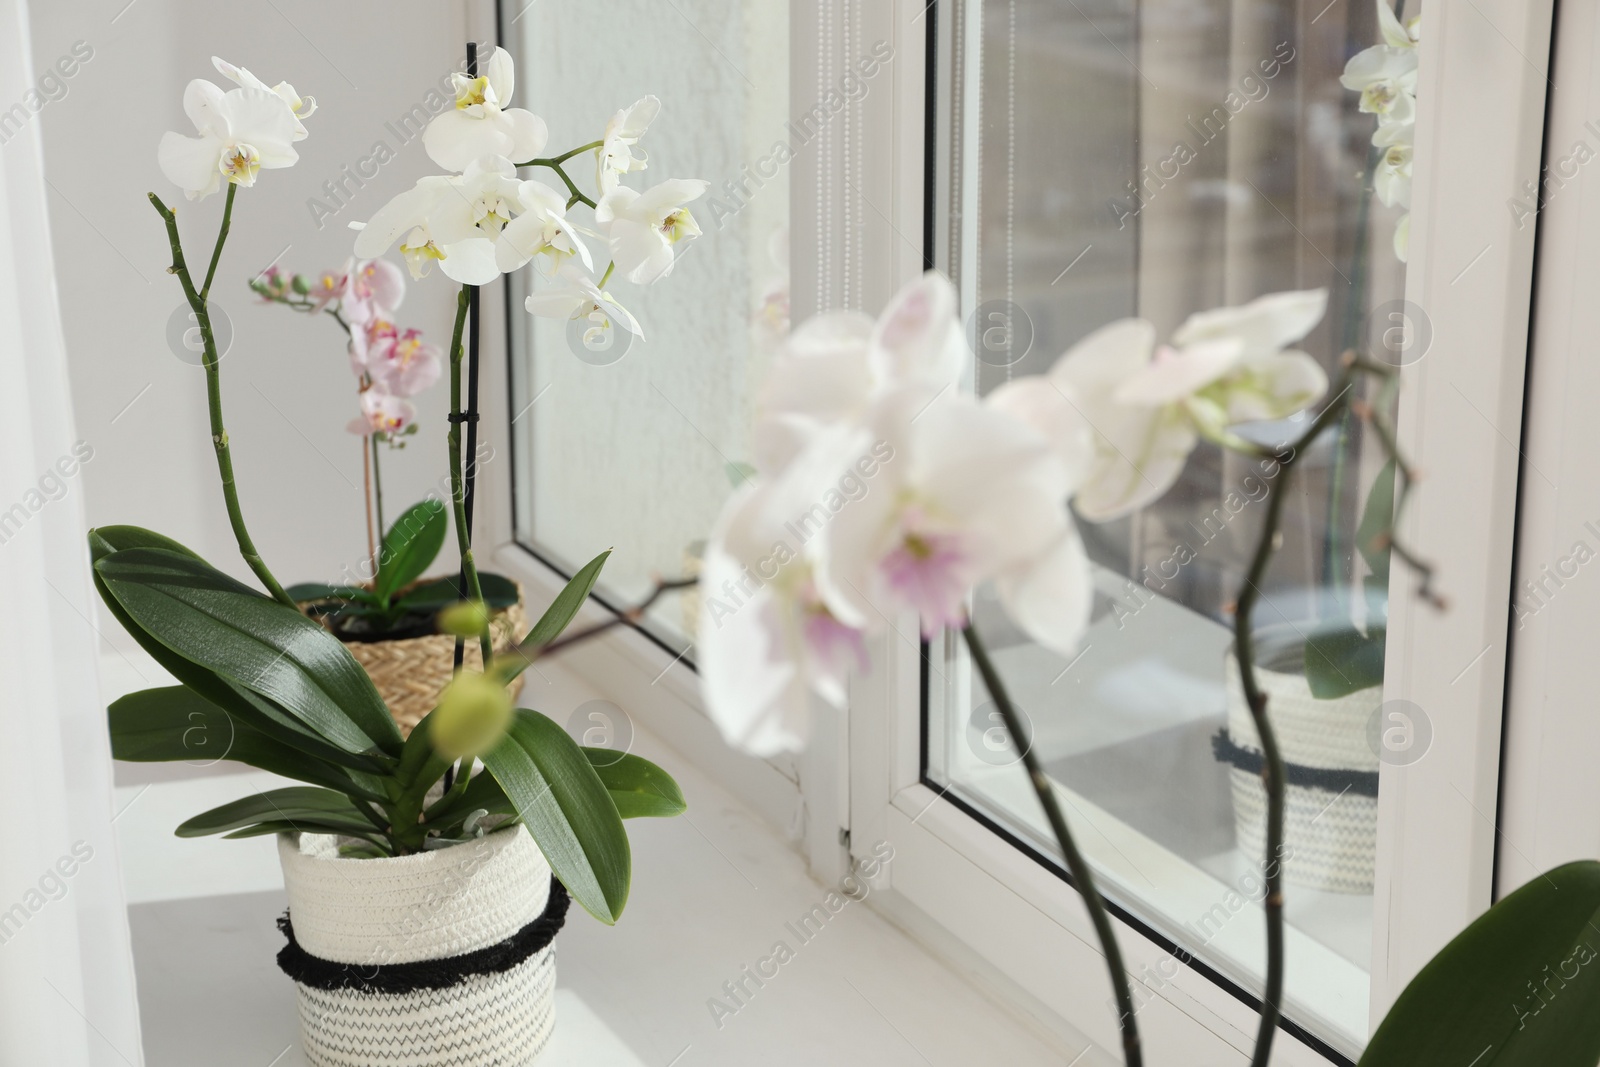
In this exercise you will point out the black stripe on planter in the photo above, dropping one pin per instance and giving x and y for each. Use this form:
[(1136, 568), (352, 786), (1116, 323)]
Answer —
[(396, 978), (1329, 779)]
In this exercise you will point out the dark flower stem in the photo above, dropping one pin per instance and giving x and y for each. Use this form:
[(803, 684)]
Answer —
[(1272, 770), (219, 434), (1082, 874), (458, 495), (555, 163)]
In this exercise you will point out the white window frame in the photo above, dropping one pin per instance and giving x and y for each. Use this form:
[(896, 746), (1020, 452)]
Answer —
[(984, 905)]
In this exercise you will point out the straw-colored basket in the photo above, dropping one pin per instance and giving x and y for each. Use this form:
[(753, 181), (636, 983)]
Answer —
[(410, 673)]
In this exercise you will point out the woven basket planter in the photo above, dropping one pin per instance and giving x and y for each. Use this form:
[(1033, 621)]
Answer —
[(1331, 803), (409, 673), (445, 958)]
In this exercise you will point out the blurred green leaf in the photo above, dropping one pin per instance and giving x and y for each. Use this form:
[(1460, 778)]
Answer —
[(1344, 661), (410, 547), (1517, 988), (1377, 522), (499, 592)]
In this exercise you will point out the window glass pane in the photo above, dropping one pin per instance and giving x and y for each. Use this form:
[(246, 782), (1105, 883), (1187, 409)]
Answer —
[(1104, 159), (628, 442)]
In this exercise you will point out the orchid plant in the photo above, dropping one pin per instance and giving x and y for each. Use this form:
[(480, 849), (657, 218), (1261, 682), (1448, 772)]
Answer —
[(390, 367), (264, 685)]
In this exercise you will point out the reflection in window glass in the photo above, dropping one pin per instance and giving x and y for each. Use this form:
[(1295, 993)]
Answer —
[(1103, 159), (633, 443)]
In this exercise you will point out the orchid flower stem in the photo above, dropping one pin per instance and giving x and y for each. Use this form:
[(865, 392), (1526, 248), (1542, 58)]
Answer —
[(219, 434), (222, 237), (377, 487), (555, 164), (458, 495), (366, 485), (609, 268), (527, 652), (1082, 874), (1272, 770)]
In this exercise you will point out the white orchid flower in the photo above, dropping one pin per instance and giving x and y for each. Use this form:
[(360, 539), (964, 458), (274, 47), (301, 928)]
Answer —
[(542, 228), (481, 124), (578, 297), (834, 365), (1402, 238), (1148, 407), (301, 107), (1396, 34), (241, 132), (455, 220), (1386, 78), (644, 228), (616, 155), (970, 495), (1392, 179), (766, 639)]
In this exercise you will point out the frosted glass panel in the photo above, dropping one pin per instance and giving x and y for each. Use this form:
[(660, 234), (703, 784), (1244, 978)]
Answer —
[(634, 446)]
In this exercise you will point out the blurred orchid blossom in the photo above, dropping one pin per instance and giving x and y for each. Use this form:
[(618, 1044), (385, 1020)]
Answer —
[(382, 413), (1148, 406), (481, 124), (881, 490), (1386, 78), (401, 364), (833, 366)]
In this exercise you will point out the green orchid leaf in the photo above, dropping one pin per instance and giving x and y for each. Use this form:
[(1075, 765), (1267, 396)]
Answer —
[(254, 642), (410, 547), (1517, 988), (1344, 661), (303, 807), (499, 592), (174, 723), (567, 809), (639, 788), (1377, 522), (563, 609), (256, 711), (312, 592)]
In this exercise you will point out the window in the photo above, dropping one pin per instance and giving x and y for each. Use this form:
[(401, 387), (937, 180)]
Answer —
[(629, 443), (1209, 156)]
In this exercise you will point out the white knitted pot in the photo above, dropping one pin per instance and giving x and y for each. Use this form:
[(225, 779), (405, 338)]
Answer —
[(1332, 836), (440, 959)]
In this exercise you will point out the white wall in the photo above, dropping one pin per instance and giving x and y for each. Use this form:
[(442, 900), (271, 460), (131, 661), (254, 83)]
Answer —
[(287, 391)]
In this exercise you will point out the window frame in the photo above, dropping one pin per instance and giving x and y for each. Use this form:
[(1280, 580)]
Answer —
[(988, 907)]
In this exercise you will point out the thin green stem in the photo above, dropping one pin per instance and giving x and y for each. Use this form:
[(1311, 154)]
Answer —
[(222, 237), (458, 494), (556, 161), (607, 277), (1082, 874), (219, 433)]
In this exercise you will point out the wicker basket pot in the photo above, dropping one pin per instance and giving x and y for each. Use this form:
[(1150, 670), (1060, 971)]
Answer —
[(1331, 804), (409, 673), (444, 958)]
